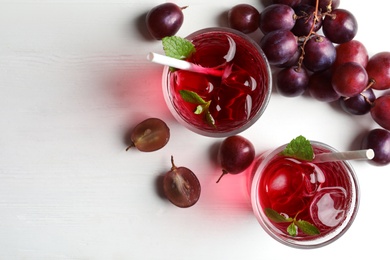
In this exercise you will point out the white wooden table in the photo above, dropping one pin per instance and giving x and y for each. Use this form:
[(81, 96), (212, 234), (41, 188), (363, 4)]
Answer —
[(74, 80)]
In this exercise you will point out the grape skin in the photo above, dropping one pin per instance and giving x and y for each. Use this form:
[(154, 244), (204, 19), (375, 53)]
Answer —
[(340, 26), (244, 18), (292, 82), (380, 111), (277, 17), (352, 51), (360, 104), (320, 87), (349, 79), (379, 141), (320, 54), (378, 69)]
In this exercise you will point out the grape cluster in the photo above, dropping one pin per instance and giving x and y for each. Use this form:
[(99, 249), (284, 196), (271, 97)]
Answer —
[(311, 45)]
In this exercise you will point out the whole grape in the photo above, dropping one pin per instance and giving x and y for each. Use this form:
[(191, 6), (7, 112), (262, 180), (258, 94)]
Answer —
[(340, 26), (277, 17), (320, 87), (149, 135), (379, 141), (320, 53), (164, 20), (359, 104), (279, 46), (305, 20), (380, 111), (244, 18), (352, 51), (235, 154), (378, 69), (181, 186), (292, 81), (349, 79)]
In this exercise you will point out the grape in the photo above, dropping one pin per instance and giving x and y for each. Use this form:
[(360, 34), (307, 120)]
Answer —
[(324, 4), (359, 104), (244, 18), (292, 82), (287, 2), (277, 17), (378, 69), (149, 135), (379, 141), (320, 53), (349, 79), (340, 26), (320, 87), (304, 20), (352, 51), (235, 154), (164, 20), (380, 111), (279, 46), (181, 186)]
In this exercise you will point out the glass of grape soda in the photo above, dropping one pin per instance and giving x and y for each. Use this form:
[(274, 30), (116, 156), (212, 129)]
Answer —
[(230, 94), (304, 204)]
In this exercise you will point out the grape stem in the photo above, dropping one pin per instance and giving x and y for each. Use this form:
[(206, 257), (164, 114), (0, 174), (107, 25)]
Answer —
[(224, 172)]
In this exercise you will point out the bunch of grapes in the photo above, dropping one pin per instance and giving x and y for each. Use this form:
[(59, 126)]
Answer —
[(311, 43)]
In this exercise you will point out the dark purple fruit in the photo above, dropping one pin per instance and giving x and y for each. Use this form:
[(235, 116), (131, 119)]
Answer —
[(181, 186), (379, 141), (164, 20)]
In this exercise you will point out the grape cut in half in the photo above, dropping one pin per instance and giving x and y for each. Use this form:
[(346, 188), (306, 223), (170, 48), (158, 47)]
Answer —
[(181, 186)]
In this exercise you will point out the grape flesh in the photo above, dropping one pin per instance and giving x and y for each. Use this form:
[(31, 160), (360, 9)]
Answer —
[(359, 104), (279, 46), (292, 81), (340, 26), (235, 154), (378, 69), (380, 111), (320, 54), (277, 17), (349, 79), (181, 186), (244, 18), (379, 141), (164, 20), (149, 135)]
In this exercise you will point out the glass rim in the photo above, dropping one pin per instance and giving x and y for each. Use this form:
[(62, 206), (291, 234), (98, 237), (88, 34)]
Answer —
[(288, 240)]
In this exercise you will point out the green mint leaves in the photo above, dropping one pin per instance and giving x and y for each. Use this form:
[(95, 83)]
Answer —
[(177, 47), (305, 226), (202, 105), (299, 148)]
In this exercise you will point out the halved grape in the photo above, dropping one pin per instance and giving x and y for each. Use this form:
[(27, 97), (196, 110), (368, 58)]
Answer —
[(150, 135), (244, 18), (340, 26), (181, 186), (380, 111), (235, 154), (379, 141), (378, 69), (164, 20)]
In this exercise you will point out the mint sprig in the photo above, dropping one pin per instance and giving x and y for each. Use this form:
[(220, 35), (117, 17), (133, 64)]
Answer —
[(292, 229), (299, 148), (202, 105), (177, 47)]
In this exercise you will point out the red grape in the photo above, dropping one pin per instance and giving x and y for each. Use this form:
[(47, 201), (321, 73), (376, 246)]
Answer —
[(287, 2), (359, 104), (378, 69), (277, 17), (244, 18), (320, 53), (305, 20), (292, 82), (320, 87), (164, 20), (235, 154), (352, 51), (340, 26), (181, 186), (279, 46), (379, 141), (149, 135), (380, 111), (349, 79)]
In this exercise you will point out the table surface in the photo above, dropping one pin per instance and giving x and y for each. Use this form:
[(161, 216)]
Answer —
[(75, 80)]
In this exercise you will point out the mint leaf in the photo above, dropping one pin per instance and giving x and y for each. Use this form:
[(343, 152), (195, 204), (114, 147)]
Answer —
[(307, 227), (299, 148), (275, 216), (192, 97), (177, 47), (292, 230)]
